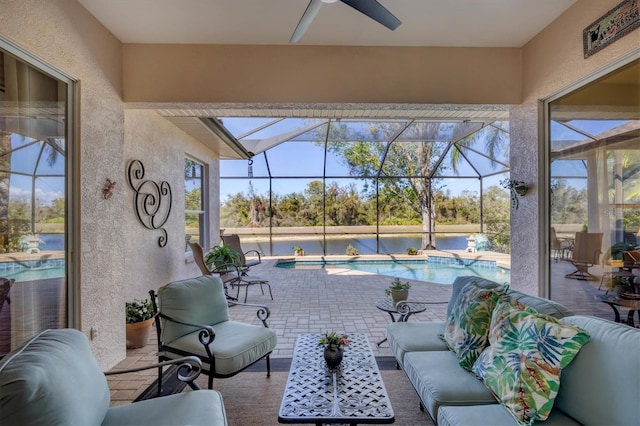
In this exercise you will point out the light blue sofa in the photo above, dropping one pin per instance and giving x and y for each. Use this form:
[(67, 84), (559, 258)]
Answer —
[(600, 386), (53, 379)]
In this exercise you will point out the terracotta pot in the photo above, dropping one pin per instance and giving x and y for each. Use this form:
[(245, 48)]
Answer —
[(138, 333), (333, 358), (398, 295)]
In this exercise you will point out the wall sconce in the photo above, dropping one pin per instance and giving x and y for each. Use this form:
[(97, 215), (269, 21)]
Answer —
[(516, 187)]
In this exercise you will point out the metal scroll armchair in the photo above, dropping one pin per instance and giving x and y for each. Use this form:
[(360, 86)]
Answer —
[(192, 318), (585, 254), (233, 241)]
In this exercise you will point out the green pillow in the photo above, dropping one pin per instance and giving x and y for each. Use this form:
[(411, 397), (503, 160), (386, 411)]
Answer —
[(467, 326), (527, 352)]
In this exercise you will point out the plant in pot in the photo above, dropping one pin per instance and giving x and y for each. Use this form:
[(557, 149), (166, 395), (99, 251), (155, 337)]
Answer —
[(139, 321), (298, 251), (398, 290), (219, 256), (412, 251), (333, 343)]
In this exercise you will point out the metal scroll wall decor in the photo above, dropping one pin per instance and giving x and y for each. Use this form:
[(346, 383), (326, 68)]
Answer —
[(152, 200)]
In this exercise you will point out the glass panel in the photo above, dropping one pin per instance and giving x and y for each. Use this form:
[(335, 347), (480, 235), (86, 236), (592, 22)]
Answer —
[(286, 159), (32, 203), (194, 190), (595, 195)]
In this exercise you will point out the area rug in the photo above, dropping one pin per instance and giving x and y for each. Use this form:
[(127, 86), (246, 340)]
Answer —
[(252, 398)]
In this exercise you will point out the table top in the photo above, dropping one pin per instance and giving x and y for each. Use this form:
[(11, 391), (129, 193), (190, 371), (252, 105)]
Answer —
[(620, 301), (354, 393), (388, 306)]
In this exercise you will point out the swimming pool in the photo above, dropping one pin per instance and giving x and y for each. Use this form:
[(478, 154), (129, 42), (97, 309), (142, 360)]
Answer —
[(435, 270), (30, 270)]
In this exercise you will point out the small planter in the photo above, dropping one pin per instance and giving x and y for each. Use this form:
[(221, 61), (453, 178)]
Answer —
[(399, 295), (333, 357), (138, 333)]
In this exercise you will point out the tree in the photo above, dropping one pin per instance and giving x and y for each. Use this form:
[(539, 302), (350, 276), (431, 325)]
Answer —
[(407, 167)]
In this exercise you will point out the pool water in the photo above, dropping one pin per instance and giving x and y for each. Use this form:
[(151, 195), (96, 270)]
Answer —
[(421, 270), (36, 274)]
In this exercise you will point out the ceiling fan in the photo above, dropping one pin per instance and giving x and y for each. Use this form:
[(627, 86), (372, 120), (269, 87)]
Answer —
[(371, 8)]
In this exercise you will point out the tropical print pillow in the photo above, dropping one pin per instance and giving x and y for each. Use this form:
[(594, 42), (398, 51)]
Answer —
[(522, 364), (468, 324)]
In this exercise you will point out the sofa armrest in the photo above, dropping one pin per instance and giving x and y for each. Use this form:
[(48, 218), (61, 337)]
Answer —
[(189, 368), (263, 312), (403, 307)]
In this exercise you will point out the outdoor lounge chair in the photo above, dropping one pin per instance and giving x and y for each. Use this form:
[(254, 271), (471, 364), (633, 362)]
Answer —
[(233, 241), (233, 274), (586, 253), (560, 247), (192, 318)]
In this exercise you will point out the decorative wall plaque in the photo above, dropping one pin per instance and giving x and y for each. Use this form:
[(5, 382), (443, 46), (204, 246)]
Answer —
[(152, 201), (617, 22)]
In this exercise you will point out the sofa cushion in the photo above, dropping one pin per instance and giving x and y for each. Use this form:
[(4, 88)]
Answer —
[(467, 327), (601, 385), (541, 305), (439, 381), (202, 407), (198, 300), (460, 282), (406, 337), (523, 363), (494, 415), (236, 345), (53, 379)]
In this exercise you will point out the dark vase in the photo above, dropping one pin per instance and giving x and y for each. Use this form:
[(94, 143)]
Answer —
[(333, 357)]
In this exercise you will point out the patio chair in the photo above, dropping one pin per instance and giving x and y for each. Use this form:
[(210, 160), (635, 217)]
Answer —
[(586, 253), (233, 241), (559, 247), (5, 288), (192, 318), (229, 274)]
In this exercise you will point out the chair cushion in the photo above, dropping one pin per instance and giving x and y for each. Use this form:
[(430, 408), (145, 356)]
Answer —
[(202, 407), (406, 337), (53, 379), (466, 330), (198, 300), (526, 355), (439, 381), (236, 345)]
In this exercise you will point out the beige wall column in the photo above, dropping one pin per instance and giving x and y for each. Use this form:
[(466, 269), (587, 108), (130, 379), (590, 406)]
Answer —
[(525, 234)]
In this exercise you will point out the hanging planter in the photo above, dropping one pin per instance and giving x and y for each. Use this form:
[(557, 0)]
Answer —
[(517, 188)]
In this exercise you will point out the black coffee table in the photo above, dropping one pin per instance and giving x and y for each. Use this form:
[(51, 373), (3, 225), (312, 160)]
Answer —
[(352, 394)]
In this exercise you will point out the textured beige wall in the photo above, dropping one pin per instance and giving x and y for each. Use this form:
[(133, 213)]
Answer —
[(119, 259), (65, 35), (161, 147), (320, 74), (552, 61)]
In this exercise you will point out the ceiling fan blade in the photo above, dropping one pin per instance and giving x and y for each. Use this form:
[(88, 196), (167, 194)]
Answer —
[(375, 11), (305, 21)]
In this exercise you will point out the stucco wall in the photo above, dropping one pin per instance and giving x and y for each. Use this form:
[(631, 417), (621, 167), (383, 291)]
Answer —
[(161, 147), (552, 61), (65, 35)]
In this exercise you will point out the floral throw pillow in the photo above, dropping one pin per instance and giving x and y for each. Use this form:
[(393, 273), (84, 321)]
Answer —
[(522, 364), (468, 324)]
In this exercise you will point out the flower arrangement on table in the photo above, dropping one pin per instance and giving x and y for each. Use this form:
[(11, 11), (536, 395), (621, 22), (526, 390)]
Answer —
[(139, 310), (333, 341)]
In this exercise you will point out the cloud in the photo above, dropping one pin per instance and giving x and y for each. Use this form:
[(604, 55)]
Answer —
[(43, 197)]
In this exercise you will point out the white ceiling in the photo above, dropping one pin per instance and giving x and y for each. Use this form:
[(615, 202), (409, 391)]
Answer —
[(462, 23)]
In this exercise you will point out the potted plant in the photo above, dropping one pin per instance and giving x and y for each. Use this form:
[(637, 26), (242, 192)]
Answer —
[(298, 251), (218, 256), (398, 290), (412, 251), (351, 250), (333, 343), (139, 320)]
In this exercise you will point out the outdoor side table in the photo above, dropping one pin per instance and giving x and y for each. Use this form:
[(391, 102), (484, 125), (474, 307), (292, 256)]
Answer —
[(614, 301), (354, 393), (389, 307)]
